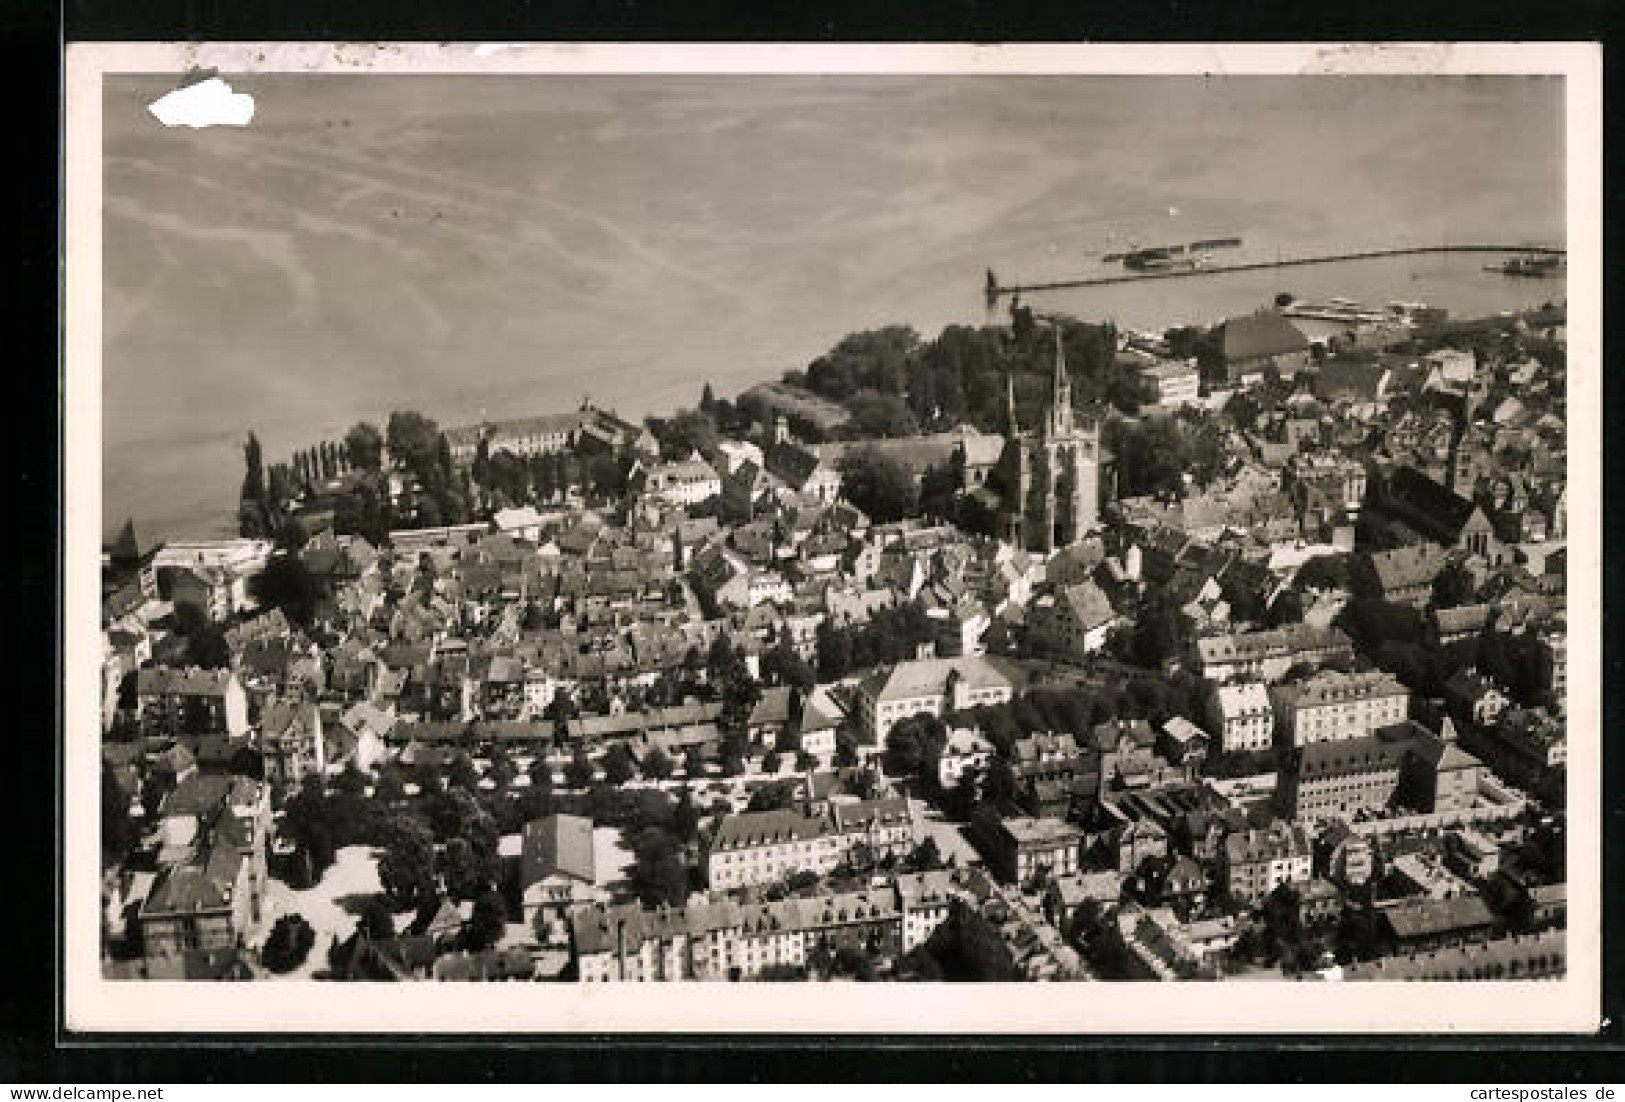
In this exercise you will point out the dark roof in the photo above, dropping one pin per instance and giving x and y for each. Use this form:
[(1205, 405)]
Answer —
[(1404, 567), (1253, 336), (1437, 509), (1427, 917), (174, 680), (753, 828), (1343, 376), (558, 844), (1353, 755), (793, 463)]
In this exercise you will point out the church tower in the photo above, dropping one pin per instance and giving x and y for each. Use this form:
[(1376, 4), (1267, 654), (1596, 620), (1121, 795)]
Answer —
[(1060, 410), (1054, 485)]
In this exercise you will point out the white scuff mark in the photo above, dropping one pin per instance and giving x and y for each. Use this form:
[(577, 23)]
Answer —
[(491, 49), (209, 103), (1381, 59)]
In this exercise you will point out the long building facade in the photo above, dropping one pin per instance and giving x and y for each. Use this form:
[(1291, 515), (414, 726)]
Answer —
[(725, 940), (763, 847)]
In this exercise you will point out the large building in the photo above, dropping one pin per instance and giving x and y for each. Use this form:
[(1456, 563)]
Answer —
[(557, 867), (211, 872), (934, 685), (1331, 705), (1242, 716), (725, 940), (1171, 382), (1340, 779), (171, 700), (1405, 575), (1021, 848), (1256, 862), (1253, 342), (1401, 765), (683, 482), (761, 847), (1053, 471), (550, 434), (1435, 512), (1072, 622), (1268, 655)]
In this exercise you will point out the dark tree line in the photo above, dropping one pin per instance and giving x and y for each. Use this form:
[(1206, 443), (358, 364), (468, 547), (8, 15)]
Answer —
[(894, 384), (890, 635)]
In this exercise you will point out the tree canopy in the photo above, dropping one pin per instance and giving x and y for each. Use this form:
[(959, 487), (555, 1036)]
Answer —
[(363, 446)]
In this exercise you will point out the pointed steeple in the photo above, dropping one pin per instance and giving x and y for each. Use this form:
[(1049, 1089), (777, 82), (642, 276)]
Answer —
[(1060, 414), (1061, 381), (126, 548)]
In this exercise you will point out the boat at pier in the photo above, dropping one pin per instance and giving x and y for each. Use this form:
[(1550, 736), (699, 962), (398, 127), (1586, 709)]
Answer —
[(1335, 309), (1537, 267)]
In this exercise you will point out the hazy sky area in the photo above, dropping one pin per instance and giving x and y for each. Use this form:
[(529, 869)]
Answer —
[(512, 244)]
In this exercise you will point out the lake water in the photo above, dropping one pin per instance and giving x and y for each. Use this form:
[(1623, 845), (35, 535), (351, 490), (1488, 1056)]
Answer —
[(512, 245)]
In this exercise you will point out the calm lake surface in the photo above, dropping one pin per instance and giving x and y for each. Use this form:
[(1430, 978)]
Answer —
[(512, 245)]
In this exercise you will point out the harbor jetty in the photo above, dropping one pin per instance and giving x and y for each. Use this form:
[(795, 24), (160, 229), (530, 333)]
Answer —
[(995, 290)]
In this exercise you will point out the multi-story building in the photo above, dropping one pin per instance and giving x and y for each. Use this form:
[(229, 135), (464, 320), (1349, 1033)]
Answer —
[(557, 868), (290, 741), (1526, 745), (1331, 705), (802, 469), (1557, 644), (923, 900), (1171, 382), (1072, 622), (1020, 848), (726, 940), (1258, 861), (1529, 957), (212, 873), (213, 592), (1267, 655), (1342, 778), (550, 434), (1437, 775), (170, 700), (1326, 483), (760, 847), (1242, 716), (683, 482), (967, 751), (1343, 855), (884, 827), (1405, 575), (933, 685)]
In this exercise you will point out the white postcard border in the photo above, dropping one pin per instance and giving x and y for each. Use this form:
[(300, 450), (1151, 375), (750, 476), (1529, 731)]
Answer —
[(93, 1004)]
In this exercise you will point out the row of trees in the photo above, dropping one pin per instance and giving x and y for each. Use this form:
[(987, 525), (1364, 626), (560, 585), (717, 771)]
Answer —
[(893, 384), (511, 479)]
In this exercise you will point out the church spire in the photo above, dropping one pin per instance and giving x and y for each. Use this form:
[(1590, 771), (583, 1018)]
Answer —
[(1061, 392), (1060, 363)]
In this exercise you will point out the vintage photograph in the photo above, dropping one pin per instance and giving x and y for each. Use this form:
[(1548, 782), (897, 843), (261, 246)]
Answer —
[(1071, 531)]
